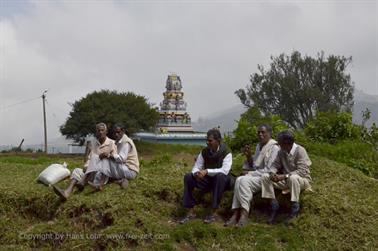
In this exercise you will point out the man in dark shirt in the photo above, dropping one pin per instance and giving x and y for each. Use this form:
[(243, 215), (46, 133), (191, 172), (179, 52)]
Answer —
[(210, 173)]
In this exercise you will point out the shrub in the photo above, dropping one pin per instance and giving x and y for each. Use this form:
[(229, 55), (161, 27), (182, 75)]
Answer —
[(332, 127), (246, 131), (370, 135), (356, 154)]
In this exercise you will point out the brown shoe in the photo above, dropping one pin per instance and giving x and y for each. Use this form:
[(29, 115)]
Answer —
[(233, 220), (60, 192)]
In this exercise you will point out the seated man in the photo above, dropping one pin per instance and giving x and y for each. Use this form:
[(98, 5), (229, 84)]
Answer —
[(102, 148), (265, 153), (294, 165), (210, 173), (123, 166)]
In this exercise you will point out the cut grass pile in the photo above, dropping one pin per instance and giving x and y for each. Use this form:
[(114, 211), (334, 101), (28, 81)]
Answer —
[(342, 213)]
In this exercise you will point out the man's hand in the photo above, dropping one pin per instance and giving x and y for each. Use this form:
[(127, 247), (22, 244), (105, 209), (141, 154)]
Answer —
[(103, 156), (248, 154), (247, 151), (201, 174), (277, 177)]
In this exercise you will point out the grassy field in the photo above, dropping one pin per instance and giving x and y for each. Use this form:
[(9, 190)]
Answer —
[(341, 214)]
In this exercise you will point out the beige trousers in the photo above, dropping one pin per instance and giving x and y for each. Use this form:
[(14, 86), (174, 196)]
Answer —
[(245, 186), (295, 184)]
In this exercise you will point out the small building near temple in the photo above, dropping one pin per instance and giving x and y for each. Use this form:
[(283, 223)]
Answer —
[(174, 124)]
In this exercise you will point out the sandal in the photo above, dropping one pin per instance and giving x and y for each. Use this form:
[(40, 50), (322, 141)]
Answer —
[(209, 219), (187, 218)]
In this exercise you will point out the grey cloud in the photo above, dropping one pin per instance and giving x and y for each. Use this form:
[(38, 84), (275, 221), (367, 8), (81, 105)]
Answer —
[(73, 48)]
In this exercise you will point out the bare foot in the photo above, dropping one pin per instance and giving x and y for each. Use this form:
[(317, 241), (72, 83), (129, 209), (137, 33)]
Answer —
[(233, 220), (60, 192)]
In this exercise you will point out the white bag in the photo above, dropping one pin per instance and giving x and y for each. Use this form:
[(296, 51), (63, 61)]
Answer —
[(54, 173)]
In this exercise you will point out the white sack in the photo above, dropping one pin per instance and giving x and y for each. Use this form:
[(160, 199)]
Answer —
[(54, 173)]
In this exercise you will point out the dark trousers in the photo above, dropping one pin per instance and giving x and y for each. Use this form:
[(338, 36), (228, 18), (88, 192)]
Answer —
[(216, 184)]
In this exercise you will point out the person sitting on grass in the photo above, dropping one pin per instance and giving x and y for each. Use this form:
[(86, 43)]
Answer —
[(245, 186), (123, 166), (101, 150), (294, 164), (210, 173)]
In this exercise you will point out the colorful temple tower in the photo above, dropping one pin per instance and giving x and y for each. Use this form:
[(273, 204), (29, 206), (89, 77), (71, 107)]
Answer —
[(174, 126), (173, 115)]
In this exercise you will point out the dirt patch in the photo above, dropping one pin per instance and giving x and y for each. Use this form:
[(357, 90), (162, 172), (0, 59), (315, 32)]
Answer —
[(87, 218), (185, 157)]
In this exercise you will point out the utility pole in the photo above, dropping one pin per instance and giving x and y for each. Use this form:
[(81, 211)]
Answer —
[(44, 118)]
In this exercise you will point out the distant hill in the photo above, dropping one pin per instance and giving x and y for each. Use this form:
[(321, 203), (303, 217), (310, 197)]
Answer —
[(363, 101), (227, 119)]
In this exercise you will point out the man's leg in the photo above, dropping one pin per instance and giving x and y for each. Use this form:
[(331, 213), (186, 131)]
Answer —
[(235, 201), (76, 176), (120, 173), (267, 191), (188, 201), (127, 174), (235, 205), (189, 184), (218, 183), (99, 181), (295, 184), (248, 185)]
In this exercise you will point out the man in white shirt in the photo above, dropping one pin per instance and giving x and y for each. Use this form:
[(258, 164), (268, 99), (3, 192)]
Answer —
[(102, 148), (123, 166), (210, 173), (265, 153)]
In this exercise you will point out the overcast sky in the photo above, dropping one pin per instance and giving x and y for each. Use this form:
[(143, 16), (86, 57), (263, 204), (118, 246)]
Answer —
[(72, 48)]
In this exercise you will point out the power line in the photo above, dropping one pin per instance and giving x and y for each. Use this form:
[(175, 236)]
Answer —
[(19, 103)]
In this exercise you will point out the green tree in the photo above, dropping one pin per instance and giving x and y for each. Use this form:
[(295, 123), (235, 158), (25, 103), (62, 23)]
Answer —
[(246, 131), (109, 107), (296, 87)]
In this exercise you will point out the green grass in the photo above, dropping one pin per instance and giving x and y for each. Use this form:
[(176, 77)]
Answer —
[(359, 155), (340, 215)]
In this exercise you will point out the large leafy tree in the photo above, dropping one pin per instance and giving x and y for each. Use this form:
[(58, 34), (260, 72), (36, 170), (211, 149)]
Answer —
[(109, 107), (296, 87)]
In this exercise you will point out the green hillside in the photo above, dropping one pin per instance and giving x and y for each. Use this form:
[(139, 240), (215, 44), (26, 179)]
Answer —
[(341, 214)]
